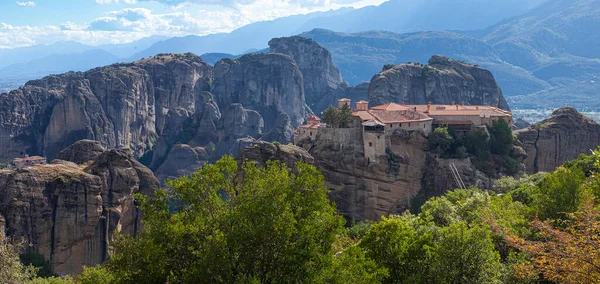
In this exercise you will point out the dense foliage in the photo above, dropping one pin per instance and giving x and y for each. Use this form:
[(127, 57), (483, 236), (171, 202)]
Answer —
[(338, 117), (276, 225), (491, 150)]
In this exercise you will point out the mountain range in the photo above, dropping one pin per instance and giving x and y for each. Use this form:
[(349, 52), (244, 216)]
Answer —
[(541, 52)]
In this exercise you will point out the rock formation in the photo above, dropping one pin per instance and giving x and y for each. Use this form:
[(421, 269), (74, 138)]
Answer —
[(182, 160), (271, 84), (561, 137), (262, 151), (82, 152), (282, 132), (69, 213), (321, 76), (443, 81), (122, 105), (238, 125)]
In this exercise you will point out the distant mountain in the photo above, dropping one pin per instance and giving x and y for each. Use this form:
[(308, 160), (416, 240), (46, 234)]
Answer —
[(25, 54), (212, 58), (251, 37), (360, 55), (403, 16), (60, 63), (125, 50), (394, 15)]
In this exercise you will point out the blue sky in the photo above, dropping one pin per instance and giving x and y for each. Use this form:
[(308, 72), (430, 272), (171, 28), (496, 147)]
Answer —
[(95, 22)]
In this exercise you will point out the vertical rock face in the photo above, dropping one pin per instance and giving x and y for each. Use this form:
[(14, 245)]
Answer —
[(69, 213), (321, 76), (282, 132), (182, 160), (122, 105), (237, 128), (368, 189), (441, 82), (271, 84), (561, 137)]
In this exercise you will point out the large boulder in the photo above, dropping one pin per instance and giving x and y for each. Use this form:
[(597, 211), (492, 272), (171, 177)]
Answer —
[(561, 137), (262, 152), (69, 213), (442, 81), (81, 152)]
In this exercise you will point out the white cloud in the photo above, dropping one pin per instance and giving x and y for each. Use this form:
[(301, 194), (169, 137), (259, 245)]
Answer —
[(115, 1), (26, 4), (199, 18)]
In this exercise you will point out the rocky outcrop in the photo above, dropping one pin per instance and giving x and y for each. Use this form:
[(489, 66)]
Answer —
[(262, 151), (368, 189), (122, 105), (270, 84), (182, 160), (237, 128), (561, 137), (321, 76), (439, 179), (70, 213), (443, 81), (282, 132), (82, 152)]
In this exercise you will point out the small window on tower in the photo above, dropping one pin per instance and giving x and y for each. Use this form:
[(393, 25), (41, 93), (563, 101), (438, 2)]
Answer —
[(370, 144)]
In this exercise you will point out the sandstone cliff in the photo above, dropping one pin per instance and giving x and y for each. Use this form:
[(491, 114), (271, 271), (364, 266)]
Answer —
[(441, 82), (561, 137), (271, 84), (122, 105), (69, 212), (321, 76)]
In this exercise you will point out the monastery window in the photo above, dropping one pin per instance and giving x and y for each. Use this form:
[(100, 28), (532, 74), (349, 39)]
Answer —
[(378, 136), (409, 124), (370, 144), (310, 133), (400, 124)]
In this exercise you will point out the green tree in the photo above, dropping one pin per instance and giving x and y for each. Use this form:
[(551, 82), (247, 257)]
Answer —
[(267, 225), (95, 275), (12, 271), (501, 137), (345, 116), (560, 193), (465, 254), (37, 260), (440, 140), (396, 245), (331, 117)]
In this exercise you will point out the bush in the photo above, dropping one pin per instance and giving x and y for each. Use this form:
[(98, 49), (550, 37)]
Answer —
[(440, 140), (95, 275)]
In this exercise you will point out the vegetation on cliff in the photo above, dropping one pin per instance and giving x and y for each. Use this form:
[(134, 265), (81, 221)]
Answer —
[(271, 224), (490, 150)]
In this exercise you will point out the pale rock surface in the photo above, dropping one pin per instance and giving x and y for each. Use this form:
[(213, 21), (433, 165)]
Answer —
[(270, 84), (70, 213), (561, 137), (321, 76), (443, 81)]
